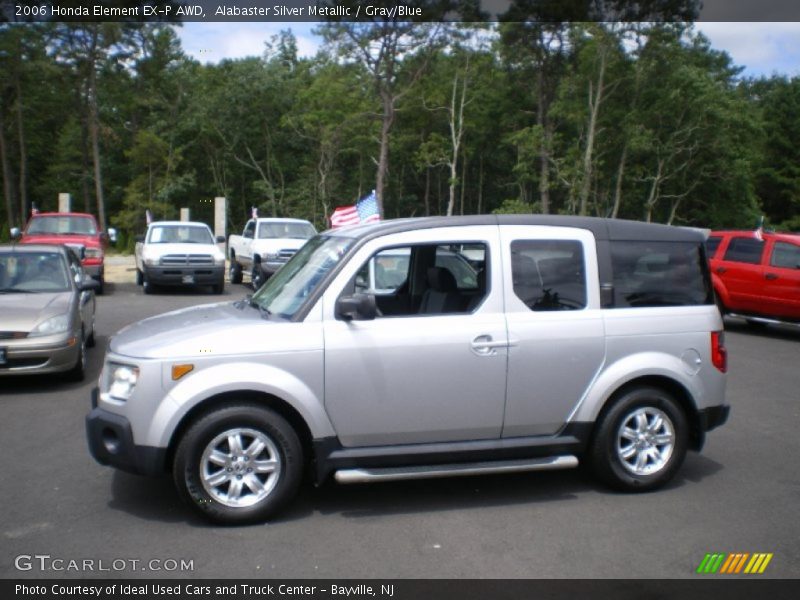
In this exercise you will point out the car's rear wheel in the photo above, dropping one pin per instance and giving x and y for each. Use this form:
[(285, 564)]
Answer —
[(239, 464), (257, 276), (640, 441)]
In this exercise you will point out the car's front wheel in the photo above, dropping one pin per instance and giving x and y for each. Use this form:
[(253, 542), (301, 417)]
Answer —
[(641, 441), (239, 464), (235, 271)]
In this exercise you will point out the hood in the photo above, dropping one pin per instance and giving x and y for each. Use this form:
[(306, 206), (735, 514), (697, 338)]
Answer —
[(90, 241), (175, 248), (278, 244), (211, 329), (22, 312)]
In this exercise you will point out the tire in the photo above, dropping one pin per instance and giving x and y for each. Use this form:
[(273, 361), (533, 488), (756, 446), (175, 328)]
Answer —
[(148, 287), (90, 341), (219, 287), (101, 289), (78, 372), (139, 277), (651, 458), (257, 276), (235, 271), (205, 464)]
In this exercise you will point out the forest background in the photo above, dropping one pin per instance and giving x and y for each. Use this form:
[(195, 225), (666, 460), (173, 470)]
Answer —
[(640, 119)]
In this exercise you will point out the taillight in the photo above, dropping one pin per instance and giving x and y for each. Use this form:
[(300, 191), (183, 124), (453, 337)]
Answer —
[(719, 355)]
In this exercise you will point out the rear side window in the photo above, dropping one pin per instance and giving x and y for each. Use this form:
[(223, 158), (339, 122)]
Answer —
[(785, 256), (549, 274), (659, 274), (744, 250)]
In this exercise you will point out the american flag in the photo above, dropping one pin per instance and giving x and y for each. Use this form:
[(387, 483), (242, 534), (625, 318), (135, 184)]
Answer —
[(363, 211)]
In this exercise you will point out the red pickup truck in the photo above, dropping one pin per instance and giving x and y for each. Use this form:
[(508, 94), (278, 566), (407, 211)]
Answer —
[(73, 229), (756, 275)]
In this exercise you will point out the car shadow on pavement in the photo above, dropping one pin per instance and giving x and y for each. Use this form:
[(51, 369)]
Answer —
[(148, 498), (774, 331), (155, 499), (433, 495)]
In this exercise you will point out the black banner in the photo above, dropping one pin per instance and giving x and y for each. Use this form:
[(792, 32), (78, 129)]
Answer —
[(414, 589), (21, 11)]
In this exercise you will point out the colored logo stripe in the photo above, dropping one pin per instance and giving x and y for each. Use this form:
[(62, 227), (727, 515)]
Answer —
[(733, 563)]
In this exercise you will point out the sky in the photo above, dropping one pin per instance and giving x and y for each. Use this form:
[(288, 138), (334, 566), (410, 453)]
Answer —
[(761, 48)]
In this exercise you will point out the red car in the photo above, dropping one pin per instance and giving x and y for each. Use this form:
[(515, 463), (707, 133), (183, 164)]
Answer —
[(73, 229), (756, 274)]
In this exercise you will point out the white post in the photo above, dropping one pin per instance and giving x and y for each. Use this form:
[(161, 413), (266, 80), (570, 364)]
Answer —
[(185, 214), (64, 202), (220, 220)]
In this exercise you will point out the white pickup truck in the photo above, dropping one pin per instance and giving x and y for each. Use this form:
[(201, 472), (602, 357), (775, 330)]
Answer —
[(264, 247), (179, 253)]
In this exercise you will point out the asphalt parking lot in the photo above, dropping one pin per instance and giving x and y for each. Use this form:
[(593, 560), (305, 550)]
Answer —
[(740, 494)]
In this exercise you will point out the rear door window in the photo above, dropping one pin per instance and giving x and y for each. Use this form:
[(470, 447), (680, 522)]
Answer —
[(549, 274), (785, 256)]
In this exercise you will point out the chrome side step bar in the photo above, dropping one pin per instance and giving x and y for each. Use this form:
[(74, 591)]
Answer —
[(454, 470)]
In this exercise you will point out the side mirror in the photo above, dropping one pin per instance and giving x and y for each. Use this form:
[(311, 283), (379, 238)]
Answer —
[(358, 307), (139, 238), (112, 235), (220, 239), (89, 284), (16, 234)]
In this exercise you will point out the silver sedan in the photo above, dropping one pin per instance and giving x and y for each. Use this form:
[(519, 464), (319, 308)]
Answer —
[(47, 311)]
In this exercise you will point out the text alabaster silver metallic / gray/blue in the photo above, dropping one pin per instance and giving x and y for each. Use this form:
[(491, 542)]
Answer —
[(558, 340)]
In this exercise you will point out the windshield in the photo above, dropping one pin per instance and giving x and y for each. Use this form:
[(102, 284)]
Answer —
[(302, 231), (60, 225), (285, 292), (180, 234), (31, 272)]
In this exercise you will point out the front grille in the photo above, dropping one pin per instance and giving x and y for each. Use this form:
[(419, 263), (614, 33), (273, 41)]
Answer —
[(285, 254), (13, 335), (174, 260)]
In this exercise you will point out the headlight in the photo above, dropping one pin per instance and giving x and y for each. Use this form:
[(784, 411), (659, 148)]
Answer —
[(57, 324), (122, 380), (219, 259), (151, 261), (94, 253), (272, 255)]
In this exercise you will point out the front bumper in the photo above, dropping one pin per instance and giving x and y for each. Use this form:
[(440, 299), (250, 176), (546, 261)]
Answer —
[(111, 443), (38, 359), (93, 268), (185, 275)]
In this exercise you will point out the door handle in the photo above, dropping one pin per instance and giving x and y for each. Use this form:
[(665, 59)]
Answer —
[(721, 270), (484, 345), (771, 276)]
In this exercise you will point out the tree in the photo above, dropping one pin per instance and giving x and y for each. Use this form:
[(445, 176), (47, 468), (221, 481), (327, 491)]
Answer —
[(383, 48)]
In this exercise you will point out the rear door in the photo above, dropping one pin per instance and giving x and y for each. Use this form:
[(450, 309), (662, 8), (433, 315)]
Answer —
[(782, 280), (555, 325)]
